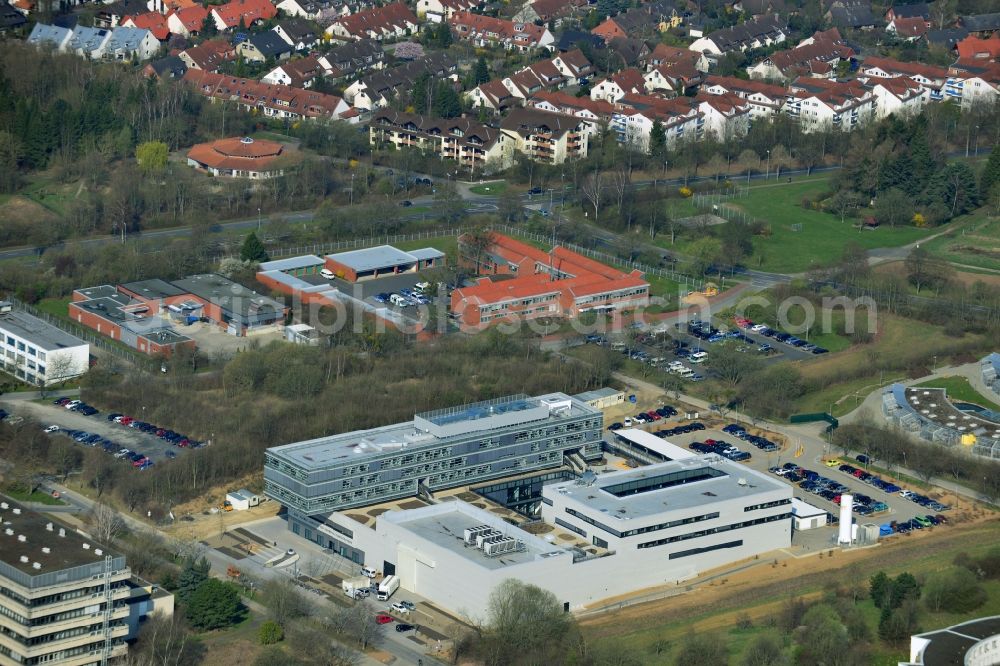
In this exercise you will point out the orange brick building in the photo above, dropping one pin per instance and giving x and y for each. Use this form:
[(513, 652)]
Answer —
[(539, 284)]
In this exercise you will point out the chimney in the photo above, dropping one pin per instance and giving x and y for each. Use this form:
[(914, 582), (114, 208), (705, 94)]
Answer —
[(46, 550)]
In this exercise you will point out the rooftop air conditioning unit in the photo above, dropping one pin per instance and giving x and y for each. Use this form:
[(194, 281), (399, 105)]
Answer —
[(36, 565), (46, 550), (480, 538), (86, 546), (22, 538), (472, 532)]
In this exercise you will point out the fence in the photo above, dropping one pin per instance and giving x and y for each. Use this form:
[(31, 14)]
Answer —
[(816, 416), (354, 244), (715, 204), (85, 334)]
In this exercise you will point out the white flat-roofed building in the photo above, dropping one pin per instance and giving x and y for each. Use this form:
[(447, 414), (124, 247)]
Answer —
[(37, 352), (648, 447), (616, 533), (806, 516), (602, 398)]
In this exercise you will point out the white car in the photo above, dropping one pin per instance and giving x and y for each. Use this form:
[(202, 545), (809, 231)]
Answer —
[(627, 422), (399, 607), (422, 286), (52, 428), (756, 328), (326, 273), (73, 403)]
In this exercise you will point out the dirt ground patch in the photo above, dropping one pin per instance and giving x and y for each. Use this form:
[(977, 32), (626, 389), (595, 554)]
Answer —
[(899, 268), (22, 210)]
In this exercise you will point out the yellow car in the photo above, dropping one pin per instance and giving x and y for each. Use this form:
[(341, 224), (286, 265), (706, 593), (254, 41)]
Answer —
[(831, 463)]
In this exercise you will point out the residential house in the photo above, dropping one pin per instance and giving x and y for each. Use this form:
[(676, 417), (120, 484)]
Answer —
[(168, 67), (755, 8), (471, 144), (300, 73), (187, 21), (618, 85), (908, 29), (155, 22), (899, 96), (947, 38), (88, 42), (263, 47), (488, 31), (818, 57), (245, 13), (313, 9), (664, 54), (930, 77), (297, 33), (110, 15), (765, 99), (492, 95), (523, 84), (50, 36), (755, 34), (856, 14), (573, 39), (575, 66), (438, 11), (629, 52), (130, 44), (726, 116), (552, 138), (818, 104), (973, 82), (916, 10), (678, 78), (273, 101), (11, 20), (352, 57), (386, 22), (208, 56), (635, 115), (981, 25), (978, 48), (375, 89), (596, 111), (647, 20)]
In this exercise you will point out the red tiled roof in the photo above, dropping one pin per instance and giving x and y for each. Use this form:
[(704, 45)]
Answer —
[(910, 27), (378, 20), (210, 54), (192, 17), (287, 99), (820, 49), (155, 22), (893, 67), (250, 11), (976, 47), (900, 86), (731, 83), (237, 154), (567, 103), (495, 29), (726, 103)]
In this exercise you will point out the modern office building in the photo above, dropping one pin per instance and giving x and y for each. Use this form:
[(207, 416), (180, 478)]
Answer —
[(972, 643), (63, 598), (37, 352), (614, 534), (441, 449)]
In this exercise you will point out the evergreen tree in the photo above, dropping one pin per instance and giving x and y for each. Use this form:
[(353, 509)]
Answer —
[(420, 94), (208, 27), (446, 101), (955, 187), (657, 138), (904, 587), (195, 573), (253, 249), (213, 605), (443, 37), (991, 173), (482, 73), (880, 587)]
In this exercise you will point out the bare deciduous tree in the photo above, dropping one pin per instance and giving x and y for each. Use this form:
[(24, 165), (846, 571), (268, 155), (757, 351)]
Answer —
[(593, 189), (106, 524)]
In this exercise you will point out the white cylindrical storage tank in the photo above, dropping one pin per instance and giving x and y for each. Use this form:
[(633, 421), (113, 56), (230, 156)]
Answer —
[(846, 506)]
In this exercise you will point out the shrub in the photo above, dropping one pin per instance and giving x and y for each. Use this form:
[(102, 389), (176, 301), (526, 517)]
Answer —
[(270, 633), (685, 192)]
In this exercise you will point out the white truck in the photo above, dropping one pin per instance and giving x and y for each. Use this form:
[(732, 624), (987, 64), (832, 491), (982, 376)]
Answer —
[(388, 585), (352, 585)]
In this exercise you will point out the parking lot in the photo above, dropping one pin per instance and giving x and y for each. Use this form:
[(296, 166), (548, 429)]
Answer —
[(133, 439)]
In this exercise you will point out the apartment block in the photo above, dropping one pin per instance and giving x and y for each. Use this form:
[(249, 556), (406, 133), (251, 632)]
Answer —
[(37, 352)]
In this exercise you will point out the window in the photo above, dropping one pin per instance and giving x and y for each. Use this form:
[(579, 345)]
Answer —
[(705, 549), (599, 542), (570, 527), (714, 530)]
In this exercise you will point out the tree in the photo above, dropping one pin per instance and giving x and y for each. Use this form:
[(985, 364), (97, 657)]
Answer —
[(106, 524), (522, 620), (845, 201), (213, 605), (253, 249), (991, 173), (924, 270), (593, 191), (446, 101), (152, 156), (821, 636), (955, 590), (482, 71), (880, 589), (270, 632), (897, 625), (284, 600), (701, 650), (165, 641), (194, 573), (443, 37), (448, 202), (733, 366), (955, 186), (904, 587), (509, 206), (893, 207), (764, 650), (657, 138)]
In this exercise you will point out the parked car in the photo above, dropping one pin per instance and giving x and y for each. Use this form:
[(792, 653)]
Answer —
[(52, 428), (383, 618), (399, 607), (402, 626)]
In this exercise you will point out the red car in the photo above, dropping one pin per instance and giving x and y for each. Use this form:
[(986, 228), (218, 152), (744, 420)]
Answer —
[(654, 416), (140, 462), (710, 442), (382, 618), (858, 473), (126, 420)]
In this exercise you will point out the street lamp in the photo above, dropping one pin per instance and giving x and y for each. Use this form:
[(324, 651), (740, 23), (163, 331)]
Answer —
[(977, 140), (352, 189), (258, 218), (767, 171)]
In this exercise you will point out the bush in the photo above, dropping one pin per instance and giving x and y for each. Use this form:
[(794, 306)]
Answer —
[(214, 605), (955, 590), (270, 633)]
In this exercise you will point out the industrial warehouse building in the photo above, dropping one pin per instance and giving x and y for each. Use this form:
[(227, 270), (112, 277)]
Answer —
[(65, 599), (441, 449), (533, 283), (615, 533), (37, 352), (141, 314)]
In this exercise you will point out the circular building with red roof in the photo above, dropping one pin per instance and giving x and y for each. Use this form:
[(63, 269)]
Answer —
[(242, 158)]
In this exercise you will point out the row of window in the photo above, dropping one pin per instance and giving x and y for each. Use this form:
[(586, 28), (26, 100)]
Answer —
[(715, 530), (643, 530), (704, 549), (571, 527), (767, 505), (21, 346)]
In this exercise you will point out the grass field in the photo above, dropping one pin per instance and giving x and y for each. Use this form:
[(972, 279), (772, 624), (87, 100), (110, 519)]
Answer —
[(57, 307), (822, 237), (492, 188), (37, 496), (959, 389), (976, 242)]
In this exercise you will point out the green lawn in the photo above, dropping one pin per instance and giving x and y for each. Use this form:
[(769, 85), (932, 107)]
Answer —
[(495, 187), (959, 389), (974, 242), (37, 496), (57, 307), (822, 237)]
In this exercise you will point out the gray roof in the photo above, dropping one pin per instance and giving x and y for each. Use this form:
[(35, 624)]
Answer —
[(154, 288), (48, 34), (87, 39), (291, 263), (981, 22), (270, 44), (427, 253), (230, 296), (126, 39), (40, 333), (597, 394), (912, 11), (10, 17), (947, 37), (853, 16), (372, 258)]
